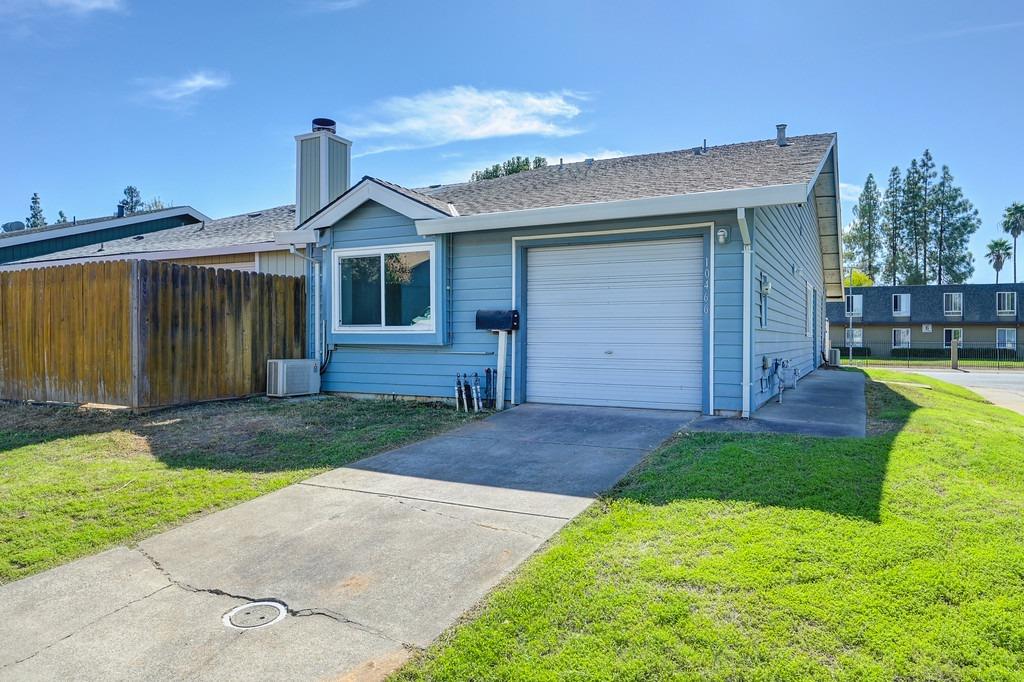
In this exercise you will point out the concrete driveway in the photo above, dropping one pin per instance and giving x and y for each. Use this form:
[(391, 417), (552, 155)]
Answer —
[(369, 562), (1004, 388)]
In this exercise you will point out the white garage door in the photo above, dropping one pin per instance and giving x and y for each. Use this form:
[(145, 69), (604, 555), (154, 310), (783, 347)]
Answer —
[(616, 324)]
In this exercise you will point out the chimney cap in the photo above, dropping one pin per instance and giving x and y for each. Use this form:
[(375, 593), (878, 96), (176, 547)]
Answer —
[(780, 134), (327, 124)]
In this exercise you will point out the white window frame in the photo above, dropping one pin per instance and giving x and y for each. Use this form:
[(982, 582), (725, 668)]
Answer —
[(857, 307), (858, 332), (809, 308), (1006, 345), (953, 296), (902, 334), (948, 343), (1006, 311), (338, 254), (900, 298)]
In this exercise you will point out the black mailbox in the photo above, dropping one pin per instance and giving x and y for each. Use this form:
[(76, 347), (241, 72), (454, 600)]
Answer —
[(497, 320)]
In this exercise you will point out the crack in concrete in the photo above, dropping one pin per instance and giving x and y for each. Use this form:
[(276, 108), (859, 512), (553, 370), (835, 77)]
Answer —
[(433, 501), (408, 503), (83, 627), (297, 613)]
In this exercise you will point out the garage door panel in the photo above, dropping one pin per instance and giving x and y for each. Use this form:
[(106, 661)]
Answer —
[(616, 324)]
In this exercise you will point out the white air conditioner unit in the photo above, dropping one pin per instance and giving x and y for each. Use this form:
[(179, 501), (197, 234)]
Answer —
[(287, 378), (833, 357)]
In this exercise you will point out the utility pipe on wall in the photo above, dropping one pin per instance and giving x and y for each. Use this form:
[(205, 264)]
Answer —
[(317, 317), (741, 219)]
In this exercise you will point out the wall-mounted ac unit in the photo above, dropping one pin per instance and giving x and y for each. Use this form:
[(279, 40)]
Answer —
[(287, 378)]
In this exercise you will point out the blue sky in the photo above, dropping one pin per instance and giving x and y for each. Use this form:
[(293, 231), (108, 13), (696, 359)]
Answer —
[(197, 102)]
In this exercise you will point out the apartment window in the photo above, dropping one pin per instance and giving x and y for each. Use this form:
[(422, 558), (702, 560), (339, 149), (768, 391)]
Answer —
[(854, 337), (854, 305), (1006, 303), (901, 305), (389, 289), (1006, 338), (953, 303), (901, 338), (948, 334)]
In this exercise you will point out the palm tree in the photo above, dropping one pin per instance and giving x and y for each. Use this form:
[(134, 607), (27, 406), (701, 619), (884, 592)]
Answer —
[(1013, 224), (999, 251)]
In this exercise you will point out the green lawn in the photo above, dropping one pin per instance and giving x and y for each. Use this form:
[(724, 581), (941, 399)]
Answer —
[(740, 556), (75, 481)]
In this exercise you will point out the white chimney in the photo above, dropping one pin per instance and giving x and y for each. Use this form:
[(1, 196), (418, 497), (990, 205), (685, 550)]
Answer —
[(780, 134), (322, 168)]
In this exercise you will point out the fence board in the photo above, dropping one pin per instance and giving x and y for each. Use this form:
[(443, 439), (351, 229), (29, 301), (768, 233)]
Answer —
[(144, 334)]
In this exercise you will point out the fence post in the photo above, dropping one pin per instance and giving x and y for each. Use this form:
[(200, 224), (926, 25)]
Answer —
[(954, 353), (135, 317)]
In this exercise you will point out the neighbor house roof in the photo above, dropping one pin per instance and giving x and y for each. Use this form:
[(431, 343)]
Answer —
[(733, 166), (247, 229), (57, 230)]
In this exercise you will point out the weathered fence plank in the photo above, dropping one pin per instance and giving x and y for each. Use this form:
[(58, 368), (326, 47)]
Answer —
[(144, 334)]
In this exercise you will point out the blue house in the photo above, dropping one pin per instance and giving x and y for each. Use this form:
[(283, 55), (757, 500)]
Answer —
[(690, 280)]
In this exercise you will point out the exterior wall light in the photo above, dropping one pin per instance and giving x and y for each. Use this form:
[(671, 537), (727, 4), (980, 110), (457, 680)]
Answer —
[(723, 235)]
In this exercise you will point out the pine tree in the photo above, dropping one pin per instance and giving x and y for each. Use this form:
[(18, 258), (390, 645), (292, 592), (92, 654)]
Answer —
[(132, 201), (923, 230), (893, 228), (35, 213), (865, 241), (955, 220), (517, 164), (61, 218)]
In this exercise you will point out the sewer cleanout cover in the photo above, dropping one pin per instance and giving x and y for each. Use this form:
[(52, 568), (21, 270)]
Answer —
[(255, 614)]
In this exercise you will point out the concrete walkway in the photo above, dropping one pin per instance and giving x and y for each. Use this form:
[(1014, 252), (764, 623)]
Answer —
[(824, 403), (371, 562), (1005, 388)]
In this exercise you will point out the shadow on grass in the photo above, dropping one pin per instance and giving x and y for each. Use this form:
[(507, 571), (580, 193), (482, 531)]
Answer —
[(258, 435), (835, 475)]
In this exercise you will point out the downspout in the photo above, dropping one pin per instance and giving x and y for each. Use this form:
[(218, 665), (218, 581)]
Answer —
[(318, 342), (741, 218)]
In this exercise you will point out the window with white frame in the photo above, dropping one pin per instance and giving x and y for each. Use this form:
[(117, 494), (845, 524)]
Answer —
[(808, 309), (386, 289), (1006, 338), (950, 333), (854, 337), (901, 338), (854, 305), (953, 303), (1006, 303), (901, 305)]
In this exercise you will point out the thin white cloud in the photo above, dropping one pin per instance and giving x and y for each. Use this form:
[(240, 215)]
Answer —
[(336, 5), (462, 113), (849, 192), (26, 9), (183, 89), (86, 5)]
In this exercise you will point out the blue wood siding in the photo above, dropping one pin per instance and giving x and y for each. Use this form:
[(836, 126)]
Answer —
[(784, 238), (46, 246), (477, 273)]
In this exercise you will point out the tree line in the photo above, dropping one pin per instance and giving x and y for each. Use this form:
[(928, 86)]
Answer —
[(916, 231), (132, 202)]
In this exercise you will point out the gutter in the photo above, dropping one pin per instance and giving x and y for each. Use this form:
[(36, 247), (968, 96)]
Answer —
[(741, 218), (698, 202)]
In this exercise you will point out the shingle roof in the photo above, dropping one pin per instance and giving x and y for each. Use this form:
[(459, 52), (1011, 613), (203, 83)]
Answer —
[(415, 195), (255, 227), (733, 166), (79, 222)]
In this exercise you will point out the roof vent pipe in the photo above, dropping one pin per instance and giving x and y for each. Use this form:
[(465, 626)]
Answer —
[(325, 124), (780, 135), (589, 162)]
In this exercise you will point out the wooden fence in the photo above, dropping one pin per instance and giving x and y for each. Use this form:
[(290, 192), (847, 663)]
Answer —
[(144, 334)]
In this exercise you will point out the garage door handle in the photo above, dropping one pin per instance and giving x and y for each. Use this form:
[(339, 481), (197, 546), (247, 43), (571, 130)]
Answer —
[(608, 352)]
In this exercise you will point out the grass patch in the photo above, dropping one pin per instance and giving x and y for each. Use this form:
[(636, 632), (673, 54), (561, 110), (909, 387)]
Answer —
[(752, 556), (75, 481)]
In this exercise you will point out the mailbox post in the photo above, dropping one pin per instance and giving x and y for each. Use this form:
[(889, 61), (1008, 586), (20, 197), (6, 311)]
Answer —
[(502, 322)]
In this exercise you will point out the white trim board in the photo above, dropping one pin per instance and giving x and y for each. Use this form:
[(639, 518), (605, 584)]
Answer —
[(370, 190), (698, 202), (261, 247), (29, 236)]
